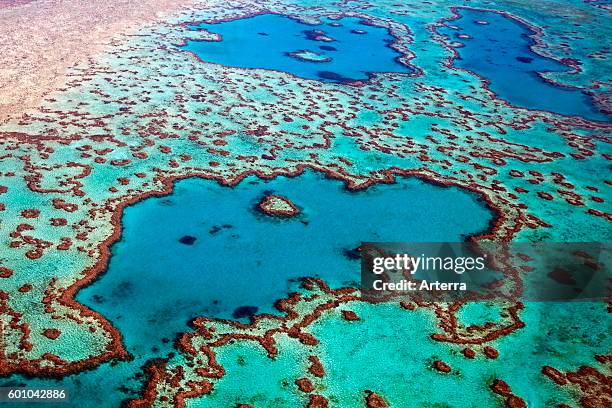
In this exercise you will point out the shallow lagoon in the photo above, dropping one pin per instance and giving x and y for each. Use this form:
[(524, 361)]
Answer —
[(497, 48), (336, 50), (238, 256)]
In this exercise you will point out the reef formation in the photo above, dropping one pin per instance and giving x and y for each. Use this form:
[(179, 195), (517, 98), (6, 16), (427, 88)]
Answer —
[(278, 206), (123, 116)]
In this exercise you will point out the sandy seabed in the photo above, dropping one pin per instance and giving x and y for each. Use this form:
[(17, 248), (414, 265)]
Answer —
[(40, 40)]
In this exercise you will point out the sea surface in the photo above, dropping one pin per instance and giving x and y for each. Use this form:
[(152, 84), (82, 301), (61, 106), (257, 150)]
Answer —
[(205, 250), (155, 284)]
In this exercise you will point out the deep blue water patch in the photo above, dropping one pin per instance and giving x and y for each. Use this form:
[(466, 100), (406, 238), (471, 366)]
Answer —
[(187, 240), (267, 42), (242, 312), (500, 52), (237, 261)]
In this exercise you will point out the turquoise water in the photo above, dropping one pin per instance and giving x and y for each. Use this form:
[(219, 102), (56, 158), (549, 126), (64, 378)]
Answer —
[(499, 51), (350, 50), (390, 351), (155, 284)]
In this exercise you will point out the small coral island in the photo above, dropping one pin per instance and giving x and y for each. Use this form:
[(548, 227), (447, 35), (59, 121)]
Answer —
[(278, 206), (309, 56)]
